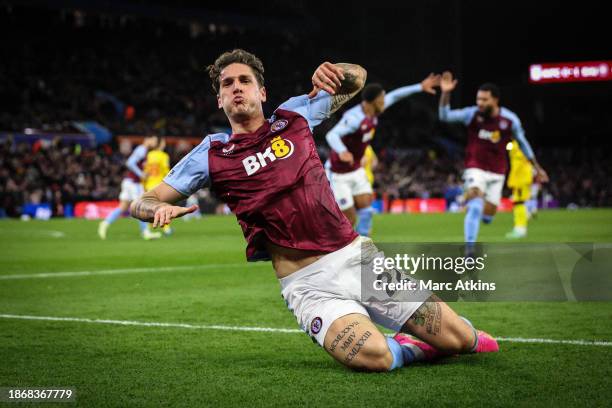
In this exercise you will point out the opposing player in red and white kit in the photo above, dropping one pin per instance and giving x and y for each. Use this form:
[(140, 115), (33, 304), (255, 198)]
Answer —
[(269, 174), (489, 129), (348, 141)]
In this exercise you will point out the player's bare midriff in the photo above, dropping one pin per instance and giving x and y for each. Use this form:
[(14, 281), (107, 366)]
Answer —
[(286, 261)]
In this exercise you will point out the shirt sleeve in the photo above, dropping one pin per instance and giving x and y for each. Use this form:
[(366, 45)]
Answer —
[(519, 135), (191, 173), (314, 110), (401, 93), (464, 115), (140, 153), (347, 125)]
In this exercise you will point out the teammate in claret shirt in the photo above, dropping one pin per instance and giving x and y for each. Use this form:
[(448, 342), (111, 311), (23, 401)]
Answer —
[(490, 128), (270, 175), (349, 140)]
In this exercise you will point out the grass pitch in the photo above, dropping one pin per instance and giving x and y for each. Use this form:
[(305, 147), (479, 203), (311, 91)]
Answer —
[(198, 277)]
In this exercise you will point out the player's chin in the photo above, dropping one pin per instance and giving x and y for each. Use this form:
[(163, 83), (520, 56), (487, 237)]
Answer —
[(239, 114)]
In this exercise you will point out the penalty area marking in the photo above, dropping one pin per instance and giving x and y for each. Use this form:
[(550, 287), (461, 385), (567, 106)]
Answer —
[(266, 329), (124, 270)]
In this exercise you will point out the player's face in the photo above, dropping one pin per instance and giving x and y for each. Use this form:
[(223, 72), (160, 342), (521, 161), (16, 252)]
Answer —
[(379, 103), (240, 95), (150, 142), (486, 102)]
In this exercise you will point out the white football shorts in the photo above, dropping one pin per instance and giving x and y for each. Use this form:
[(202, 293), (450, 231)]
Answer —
[(347, 185), (330, 288), (130, 190), (491, 184)]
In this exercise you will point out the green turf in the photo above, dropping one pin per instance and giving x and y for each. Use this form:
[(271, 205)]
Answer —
[(150, 366)]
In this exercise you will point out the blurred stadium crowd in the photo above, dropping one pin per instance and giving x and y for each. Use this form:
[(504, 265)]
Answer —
[(62, 174), (102, 72)]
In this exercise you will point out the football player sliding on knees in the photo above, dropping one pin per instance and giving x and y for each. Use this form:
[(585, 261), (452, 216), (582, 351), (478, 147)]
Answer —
[(269, 174)]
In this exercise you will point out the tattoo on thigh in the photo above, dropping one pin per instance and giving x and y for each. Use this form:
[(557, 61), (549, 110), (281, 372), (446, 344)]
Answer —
[(358, 346), (348, 341), (342, 334), (428, 315)]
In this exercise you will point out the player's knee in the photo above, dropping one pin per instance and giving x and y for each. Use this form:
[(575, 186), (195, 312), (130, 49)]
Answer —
[(375, 357)]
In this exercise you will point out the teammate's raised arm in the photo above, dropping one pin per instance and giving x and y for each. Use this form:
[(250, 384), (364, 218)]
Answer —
[(426, 85), (447, 85)]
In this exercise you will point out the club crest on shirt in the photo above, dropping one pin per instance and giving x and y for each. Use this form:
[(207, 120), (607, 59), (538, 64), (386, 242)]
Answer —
[(503, 125), (278, 125), (228, 150)]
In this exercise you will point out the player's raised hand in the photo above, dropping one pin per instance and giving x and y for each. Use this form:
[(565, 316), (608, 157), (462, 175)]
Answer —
[(447, 82), (327, 77), (430, 82), (167, 213), (347, 157)]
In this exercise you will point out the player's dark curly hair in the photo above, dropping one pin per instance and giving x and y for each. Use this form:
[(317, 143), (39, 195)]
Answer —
[(491, 87), (371, 92), (232, 57)]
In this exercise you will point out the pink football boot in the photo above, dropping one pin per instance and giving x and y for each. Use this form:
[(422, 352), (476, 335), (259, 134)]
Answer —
[(486, 343), (421, 350)]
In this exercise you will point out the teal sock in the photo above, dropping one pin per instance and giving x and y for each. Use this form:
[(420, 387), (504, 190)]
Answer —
[(473, 215), (112, 217), (364, 225), (396, 352)]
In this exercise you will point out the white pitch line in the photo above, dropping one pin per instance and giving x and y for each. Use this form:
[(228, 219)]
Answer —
[(554, 341), (151, 324), (122, 271), (268, 329)]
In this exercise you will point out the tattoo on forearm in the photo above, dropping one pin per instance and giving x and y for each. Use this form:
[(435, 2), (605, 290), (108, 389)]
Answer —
[(342, 334), (144, 208), (357, 347), (354, 80), (428, 315)]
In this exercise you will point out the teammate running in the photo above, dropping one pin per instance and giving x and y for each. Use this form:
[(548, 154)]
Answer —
[(270, 175), (490, 127), (131, 189), (349, 140)]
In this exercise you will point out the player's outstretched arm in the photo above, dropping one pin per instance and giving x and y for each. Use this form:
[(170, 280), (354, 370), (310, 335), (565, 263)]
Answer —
[(156, 206), (519, 135), (427, 85), (342, 81)]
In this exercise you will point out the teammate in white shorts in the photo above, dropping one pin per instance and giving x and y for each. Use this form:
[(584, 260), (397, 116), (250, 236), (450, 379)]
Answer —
[(489, 129), (349, 140)]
